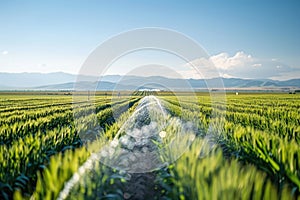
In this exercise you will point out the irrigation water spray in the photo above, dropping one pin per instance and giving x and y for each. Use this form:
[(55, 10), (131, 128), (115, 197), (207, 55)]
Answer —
[(142, 144)]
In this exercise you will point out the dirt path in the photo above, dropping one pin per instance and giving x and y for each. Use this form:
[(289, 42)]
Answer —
[(141, 186)]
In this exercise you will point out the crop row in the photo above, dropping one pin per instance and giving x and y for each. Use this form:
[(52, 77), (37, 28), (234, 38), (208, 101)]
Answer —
[(272, 149), (30, 144)]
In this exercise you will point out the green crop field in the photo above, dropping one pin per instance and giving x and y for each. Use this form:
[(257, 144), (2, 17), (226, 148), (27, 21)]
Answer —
[(245, 148)]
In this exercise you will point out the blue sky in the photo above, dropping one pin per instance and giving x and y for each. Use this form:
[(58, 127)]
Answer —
[(48, 36)]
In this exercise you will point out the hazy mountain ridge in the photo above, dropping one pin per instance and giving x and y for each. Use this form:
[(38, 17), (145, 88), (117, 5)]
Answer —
[(64, 81)]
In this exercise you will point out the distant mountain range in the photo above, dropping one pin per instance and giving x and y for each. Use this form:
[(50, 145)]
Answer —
[(64, 81)]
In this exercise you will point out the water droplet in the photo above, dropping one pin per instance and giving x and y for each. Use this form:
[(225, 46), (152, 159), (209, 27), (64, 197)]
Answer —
[(115, 143), (192, 137), (162, 134)]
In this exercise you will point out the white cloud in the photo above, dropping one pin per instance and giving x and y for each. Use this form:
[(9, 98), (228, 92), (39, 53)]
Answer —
[(240, 65), (257, 65), (4, 52), (199, 62), (224, 61), (227, 76), (200, 66)]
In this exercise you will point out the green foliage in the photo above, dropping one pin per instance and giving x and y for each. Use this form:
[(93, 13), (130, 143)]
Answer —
[(34, 129), (213, 177), (254, 155)]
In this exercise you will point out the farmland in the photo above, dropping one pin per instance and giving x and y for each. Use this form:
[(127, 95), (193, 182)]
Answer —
[(245, 148)]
